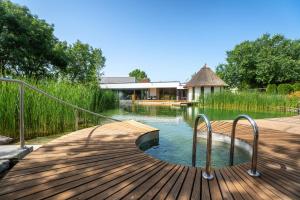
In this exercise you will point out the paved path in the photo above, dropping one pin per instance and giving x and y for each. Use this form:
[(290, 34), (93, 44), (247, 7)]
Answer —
[(104, 163), (285, 124)]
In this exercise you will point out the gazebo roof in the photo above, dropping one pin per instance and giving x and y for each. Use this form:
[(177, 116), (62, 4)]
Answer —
[(205, 77)]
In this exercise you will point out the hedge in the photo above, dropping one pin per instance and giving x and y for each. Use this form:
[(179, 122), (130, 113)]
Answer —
[(296, 87), (285, 88)]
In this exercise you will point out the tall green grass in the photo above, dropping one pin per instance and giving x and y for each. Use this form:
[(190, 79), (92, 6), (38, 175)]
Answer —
[(252, 101), (44, 116)]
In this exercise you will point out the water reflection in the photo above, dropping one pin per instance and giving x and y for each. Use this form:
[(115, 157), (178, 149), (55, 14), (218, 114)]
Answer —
[(188, 114), (176, 128)]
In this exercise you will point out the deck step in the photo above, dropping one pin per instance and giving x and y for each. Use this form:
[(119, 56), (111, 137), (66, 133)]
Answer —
[(5, 140)]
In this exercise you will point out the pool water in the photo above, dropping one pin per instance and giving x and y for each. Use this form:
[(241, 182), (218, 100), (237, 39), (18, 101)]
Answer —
[(176, 129)]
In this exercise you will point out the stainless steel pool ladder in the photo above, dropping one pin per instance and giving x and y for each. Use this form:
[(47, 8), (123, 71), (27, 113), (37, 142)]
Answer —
[(207, 173), (253, 171)]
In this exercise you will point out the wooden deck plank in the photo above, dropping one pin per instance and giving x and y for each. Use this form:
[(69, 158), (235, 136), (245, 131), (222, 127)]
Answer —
[(215, 191), (205, 192), (196, 193), (104, 163), (115, 185), (139, 191), (231, 187), (168, 186), (98, 185), (124, 191), (23, 184), (158, 186), (288, 189), (252, 193), (178, 184), (35, 169), (62, 184), (269, 186), (223, 187), (187, 186), (95, 164), (238, 185), (261, 190)]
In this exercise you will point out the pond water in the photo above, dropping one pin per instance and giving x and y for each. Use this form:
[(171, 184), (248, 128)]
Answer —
[(176, 130)]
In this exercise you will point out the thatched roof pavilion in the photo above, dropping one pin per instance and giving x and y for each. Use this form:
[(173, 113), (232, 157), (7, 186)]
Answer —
[(205, 77)]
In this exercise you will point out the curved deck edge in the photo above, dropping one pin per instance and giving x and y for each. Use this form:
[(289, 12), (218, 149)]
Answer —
[(105, 163)]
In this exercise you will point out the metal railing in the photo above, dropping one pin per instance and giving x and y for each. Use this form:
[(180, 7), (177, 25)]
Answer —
[(253, 171), (22, 86), (207, 174)]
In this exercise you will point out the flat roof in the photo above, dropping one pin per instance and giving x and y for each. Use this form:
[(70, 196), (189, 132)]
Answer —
[(112, 80), (167, 84)]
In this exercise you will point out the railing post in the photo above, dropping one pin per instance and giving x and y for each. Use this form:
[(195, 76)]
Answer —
[(231, 154), (207, 174), (76, 119), (195, 142), (21, 115), (253, 171)]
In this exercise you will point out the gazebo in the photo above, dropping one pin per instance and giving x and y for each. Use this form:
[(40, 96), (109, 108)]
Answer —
[(205, 81)]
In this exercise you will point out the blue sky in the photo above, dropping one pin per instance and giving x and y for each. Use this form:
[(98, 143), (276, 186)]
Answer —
[(168, 39)]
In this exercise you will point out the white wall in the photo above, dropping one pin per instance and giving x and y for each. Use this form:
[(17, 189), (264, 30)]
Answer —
[(190, 94), (207, 90), (197, 93), (218, 89)]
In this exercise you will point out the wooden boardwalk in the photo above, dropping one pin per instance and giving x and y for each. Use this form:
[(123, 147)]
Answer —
[(104, 163)]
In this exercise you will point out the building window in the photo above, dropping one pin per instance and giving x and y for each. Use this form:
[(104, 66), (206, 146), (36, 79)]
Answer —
[(212, 90), (202, 91)]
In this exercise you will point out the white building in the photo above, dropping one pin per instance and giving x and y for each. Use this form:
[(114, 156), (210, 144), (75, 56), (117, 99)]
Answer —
[(205, 81), (128, 88)]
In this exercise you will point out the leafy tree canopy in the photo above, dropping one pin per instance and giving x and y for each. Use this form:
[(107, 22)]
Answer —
[(29, 48), (267, 60), (85, 63), (26, 43), (138, 74)]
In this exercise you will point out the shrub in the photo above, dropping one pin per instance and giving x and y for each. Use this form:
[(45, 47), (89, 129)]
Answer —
[(295, 94), (296, 87), (285, 89), (271, 89)]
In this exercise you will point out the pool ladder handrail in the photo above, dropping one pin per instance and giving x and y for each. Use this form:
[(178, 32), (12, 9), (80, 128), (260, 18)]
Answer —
[(207, 173), (23, 85), (253, 171)]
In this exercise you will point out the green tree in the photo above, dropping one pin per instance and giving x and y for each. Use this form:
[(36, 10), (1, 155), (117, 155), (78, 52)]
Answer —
[(138, 74), (267, 60), (85, 63), (27, 43)]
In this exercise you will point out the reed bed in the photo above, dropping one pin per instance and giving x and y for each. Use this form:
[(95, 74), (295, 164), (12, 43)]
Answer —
[(249, 101), (44, 116)]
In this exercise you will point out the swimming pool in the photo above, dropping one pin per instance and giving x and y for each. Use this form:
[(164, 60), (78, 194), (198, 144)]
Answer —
[(176, 130)]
